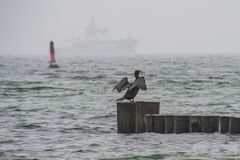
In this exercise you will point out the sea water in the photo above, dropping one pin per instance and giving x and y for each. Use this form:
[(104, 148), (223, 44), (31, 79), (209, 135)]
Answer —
[(70, 112)]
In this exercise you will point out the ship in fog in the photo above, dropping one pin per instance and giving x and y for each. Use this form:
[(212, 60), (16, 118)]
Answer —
[(97, 41)]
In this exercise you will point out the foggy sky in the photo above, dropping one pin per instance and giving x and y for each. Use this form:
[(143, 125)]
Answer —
[(162, 26)]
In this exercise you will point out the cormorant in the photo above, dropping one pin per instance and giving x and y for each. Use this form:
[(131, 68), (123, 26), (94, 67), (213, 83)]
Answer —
[(133, 88)]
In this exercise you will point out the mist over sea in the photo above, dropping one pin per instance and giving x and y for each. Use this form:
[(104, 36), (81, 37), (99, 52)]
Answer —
[(70, 112)]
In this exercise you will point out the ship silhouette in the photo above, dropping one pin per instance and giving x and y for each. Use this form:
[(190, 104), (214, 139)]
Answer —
[(97, 41)]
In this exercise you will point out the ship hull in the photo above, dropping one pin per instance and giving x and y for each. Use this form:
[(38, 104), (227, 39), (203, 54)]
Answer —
[(124, 46)]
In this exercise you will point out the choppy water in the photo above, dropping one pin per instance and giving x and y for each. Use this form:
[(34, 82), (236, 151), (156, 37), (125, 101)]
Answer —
[(70, 113)]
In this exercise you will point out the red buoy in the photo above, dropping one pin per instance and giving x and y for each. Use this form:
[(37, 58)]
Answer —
[(52, 56)]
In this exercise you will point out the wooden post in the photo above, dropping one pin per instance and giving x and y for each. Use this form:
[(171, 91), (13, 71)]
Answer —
[(210, 124), (143, 108), (234, 125), (169, 124), (224, 124), (126, 117), (131, 115), (181, 124), (149, 122), (195, 124), (158, 124)]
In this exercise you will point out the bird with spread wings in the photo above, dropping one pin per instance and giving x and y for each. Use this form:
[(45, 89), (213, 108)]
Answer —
[(132, 88)]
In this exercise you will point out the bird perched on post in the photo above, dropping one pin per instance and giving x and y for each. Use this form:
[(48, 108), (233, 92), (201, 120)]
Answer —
[(133, 88)]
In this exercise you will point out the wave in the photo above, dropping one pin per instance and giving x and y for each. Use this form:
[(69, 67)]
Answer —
[(193, 89), (7, 94), (29, 110), (38, 88), (198, 81), (47, 74), (122, 73), (18, 83), (15, 157), (24, 89), (223, 84), (112, 82), (169, 81), (87, 129), (10, 83), (150, 157), (182, 82), (79, 72), (110, 115), (89, 78), (7, 142), (152, 75), (33, 82), (215, 77), (28, 126)]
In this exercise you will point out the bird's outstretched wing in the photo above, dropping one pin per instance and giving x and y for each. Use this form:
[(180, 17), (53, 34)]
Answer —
[(140, 83), (121, 85)]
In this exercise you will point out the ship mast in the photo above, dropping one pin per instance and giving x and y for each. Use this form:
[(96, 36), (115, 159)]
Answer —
[(93, 32)]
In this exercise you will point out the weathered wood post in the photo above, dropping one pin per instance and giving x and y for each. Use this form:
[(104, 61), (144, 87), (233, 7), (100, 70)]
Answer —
[(169, 124), (187, 124), (158, 124), (181, 124), (149, 122), (224, 124), (195, 124), (210, 124), (234, 125), (155, 123), (131, 115), (126, 117)]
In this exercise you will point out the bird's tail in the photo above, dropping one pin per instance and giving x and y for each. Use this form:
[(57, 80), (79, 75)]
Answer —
[(121, 99)]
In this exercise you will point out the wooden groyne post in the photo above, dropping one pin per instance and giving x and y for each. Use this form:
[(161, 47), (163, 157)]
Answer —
[(131, 116), (188, 124), (139, 117)]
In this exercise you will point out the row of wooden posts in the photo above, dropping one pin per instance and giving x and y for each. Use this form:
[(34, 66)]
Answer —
[(139, 117)]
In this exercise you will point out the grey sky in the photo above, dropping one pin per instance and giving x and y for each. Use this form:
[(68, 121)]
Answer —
[(163, 26)]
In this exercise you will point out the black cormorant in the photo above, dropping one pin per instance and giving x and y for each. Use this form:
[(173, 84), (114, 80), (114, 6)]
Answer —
[(133, 88)]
